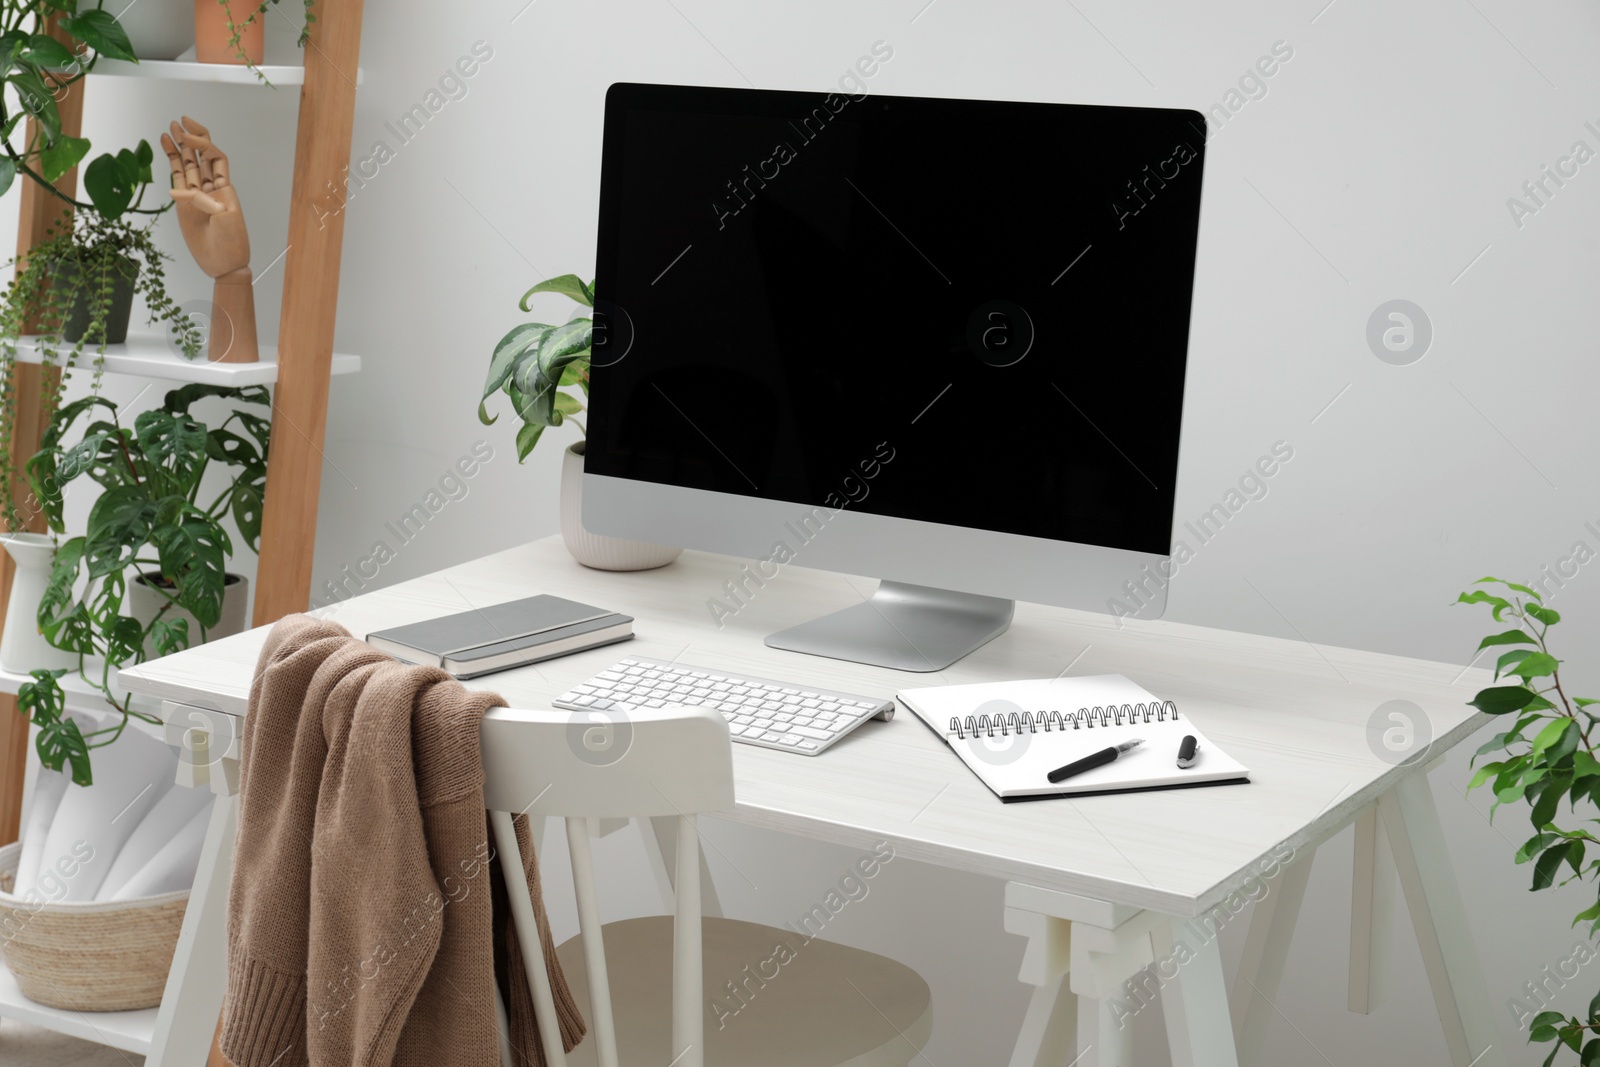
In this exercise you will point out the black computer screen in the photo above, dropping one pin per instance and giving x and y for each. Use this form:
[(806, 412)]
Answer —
[(973, 313)]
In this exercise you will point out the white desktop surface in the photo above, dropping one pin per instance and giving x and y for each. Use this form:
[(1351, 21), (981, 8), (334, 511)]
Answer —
[(1295, 714)]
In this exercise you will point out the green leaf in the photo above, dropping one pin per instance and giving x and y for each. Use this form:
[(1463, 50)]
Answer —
[(169, 635), (1552, 733), (522, 342), (567, 285), (110, 191), (1535, 666), (527, 437), (1511, 659), (194, 553), (37, 100), (1478, 596), (1535, 845), (1486, 772), (101, 31), (61, 743), (45, 51), (8, 173), (1544, 869), (537, 378), (1509, 637), (248, 504), (1502, 700), (567, 405), (120, 521), (1544, 615), (1492, 580)]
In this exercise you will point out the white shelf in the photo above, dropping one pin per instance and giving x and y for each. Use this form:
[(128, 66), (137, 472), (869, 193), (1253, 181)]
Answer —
[(188, 70), (81, 696), (130, 1031), (151, 356), (191, 70)]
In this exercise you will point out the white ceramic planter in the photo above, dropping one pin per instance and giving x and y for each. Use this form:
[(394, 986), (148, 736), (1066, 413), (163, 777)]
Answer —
[(23, 648), (144, 602), (157, 29), (594, 550)]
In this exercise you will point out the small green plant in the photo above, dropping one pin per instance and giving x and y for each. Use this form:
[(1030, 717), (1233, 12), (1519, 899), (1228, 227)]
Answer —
[(236, 31), (1548, 760), (149, 517), (65, 288), (533, 362)]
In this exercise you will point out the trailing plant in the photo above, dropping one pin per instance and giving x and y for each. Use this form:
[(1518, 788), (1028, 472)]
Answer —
[(70, 279), (533, 362), (236, 31), (1549, 761), (40, 66), (149, 516)]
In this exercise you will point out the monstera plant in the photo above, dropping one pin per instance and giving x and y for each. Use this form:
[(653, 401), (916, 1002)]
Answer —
[(149, 517)]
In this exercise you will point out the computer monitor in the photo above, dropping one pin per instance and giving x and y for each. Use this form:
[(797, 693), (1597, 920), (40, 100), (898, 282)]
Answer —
[(936, 342)]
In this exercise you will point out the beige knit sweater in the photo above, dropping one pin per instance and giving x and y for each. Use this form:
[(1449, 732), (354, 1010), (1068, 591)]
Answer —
[(362, 923)]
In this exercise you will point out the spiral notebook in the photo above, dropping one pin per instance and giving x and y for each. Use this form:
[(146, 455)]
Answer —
[(1013, 734)]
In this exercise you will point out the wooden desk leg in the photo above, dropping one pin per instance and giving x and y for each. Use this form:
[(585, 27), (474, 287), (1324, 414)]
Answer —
[(1266, 953), (192, 1002), (1432, 896)]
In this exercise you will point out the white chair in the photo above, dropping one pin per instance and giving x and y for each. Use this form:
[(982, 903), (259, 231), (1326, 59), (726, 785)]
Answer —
[(646, 986)]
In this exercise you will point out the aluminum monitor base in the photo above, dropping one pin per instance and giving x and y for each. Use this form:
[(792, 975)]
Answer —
[(903, 627)]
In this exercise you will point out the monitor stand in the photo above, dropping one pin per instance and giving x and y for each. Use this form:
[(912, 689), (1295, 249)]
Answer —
[(904, 627)]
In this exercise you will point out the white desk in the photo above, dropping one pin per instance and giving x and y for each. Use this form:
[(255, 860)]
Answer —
[(1093, 882)]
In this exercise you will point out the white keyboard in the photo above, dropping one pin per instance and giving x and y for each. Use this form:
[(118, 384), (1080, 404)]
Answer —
[(759, 711)]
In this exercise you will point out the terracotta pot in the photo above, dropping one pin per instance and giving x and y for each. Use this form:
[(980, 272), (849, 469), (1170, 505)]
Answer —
[(594, 550), (144, 602), (211, 33)]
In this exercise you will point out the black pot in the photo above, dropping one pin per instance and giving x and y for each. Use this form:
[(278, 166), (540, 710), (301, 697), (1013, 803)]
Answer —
[(75, 322)]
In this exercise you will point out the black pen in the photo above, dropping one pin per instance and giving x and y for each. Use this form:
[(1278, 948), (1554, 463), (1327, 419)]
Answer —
[(1089, 763)]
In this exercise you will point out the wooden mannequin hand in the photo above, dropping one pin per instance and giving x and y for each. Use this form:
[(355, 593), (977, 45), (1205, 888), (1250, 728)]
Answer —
[(208, 205)]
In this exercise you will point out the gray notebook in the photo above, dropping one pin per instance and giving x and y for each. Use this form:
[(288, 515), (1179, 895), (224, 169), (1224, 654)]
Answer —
[(501, 636)]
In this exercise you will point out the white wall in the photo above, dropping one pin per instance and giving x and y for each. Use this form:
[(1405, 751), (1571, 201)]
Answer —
[(1377, 166)]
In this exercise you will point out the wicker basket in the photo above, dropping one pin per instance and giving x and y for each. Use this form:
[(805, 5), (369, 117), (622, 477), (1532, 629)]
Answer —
[(94, 956)]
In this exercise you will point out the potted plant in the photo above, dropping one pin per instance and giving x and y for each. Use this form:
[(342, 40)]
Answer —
[(532, 365), (233, 31), (1546, 757), (150, 519)]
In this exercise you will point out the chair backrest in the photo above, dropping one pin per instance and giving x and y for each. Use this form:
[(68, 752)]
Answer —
[(584, 767)]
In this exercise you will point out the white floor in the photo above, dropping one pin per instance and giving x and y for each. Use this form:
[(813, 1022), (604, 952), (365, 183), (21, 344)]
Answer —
[(29, 1046)]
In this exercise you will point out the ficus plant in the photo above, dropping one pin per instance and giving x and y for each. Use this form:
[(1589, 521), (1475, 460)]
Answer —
[(150, 519), (533, 362), (1546, 757)]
